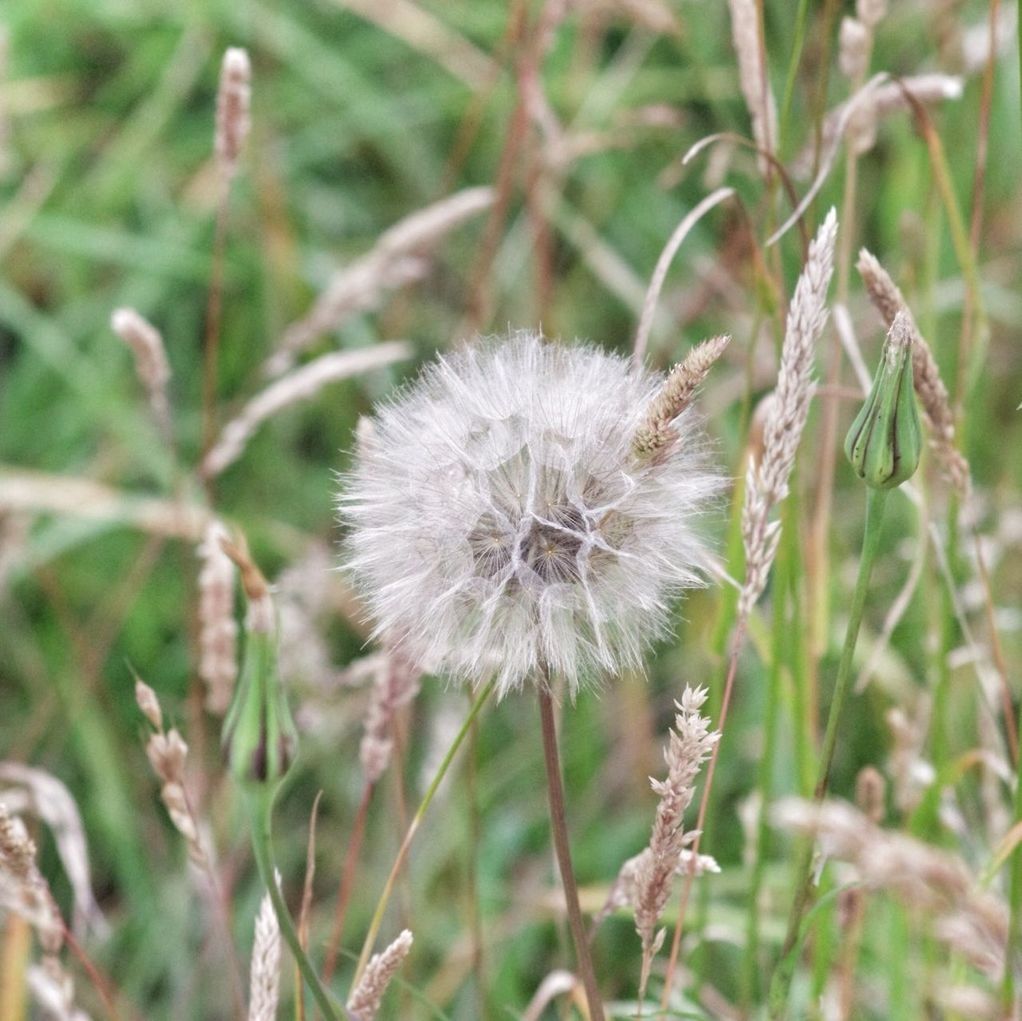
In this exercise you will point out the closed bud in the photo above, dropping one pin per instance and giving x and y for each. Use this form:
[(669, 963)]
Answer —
[(885, 440), (259, 737)]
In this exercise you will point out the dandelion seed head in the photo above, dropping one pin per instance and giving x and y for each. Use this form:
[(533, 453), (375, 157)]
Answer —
[(502, 525)]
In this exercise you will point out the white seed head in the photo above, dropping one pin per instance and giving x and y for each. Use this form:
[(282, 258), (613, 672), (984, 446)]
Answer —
[(501, 524)]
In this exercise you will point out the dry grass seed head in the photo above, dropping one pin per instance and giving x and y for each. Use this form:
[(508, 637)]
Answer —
[(752, 73), (395, 685), (657, 432), (930, 388), (264, 991), (218, 629), (690, 745), (767, 479), (32, 790), (151, 364), (232, 110), (366, 997)]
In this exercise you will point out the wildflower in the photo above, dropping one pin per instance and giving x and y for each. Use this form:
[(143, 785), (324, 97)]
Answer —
[(504, 523)]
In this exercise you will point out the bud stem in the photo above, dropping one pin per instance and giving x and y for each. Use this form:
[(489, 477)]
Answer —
[(876, 501), (259, 800)]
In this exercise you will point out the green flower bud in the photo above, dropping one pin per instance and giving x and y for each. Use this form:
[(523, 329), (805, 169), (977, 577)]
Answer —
[(259, 736), (886, 439)]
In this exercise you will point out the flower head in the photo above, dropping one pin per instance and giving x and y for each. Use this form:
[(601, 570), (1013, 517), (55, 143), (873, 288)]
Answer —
[(504, 522), (885, 441)]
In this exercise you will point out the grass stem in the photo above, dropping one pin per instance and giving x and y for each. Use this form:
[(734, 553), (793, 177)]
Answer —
[(780, 985), (1013, 950), (347, 884), (402, 854)]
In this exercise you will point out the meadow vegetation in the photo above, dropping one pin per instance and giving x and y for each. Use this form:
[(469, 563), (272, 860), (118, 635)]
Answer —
[(228, 230)]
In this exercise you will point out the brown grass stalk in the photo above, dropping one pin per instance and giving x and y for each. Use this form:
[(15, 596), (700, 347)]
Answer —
[(400, 256), (299, 385)]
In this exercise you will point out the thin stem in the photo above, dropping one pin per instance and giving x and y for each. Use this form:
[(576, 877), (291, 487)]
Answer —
[(766, 780), (559, 826), (781, 983), (214, 309), (965, 337), (347, 881), (402, 854), (801, 19), (261, 817), (476, 842), (737, 641), (1013, 951)]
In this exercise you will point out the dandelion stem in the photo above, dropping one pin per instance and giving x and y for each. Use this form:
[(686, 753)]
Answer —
[(875, 503), (260, 804), (402, 854), (559, 826)]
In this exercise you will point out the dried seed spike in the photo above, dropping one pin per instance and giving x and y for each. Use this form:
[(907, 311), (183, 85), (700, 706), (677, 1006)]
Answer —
[(395, 685), (933, 396), (366, 997), (265, 974), (232, 109), (690, 745), (675, 395), (752, 74), (855, 43), (871, 793), (17, 851), (871, 12), (218, 630), (299, 385), (767, 480), (151, 365), (969, 919), (148, 703)]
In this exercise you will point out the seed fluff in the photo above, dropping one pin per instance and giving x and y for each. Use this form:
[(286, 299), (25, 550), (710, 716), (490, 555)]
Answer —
[(503, 524)]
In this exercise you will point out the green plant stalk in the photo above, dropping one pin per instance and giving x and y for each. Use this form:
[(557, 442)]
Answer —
[(803, 694), (260, 806), (399, 860), (1013, 951), (766, 782), (780, 985), (801, 18)]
